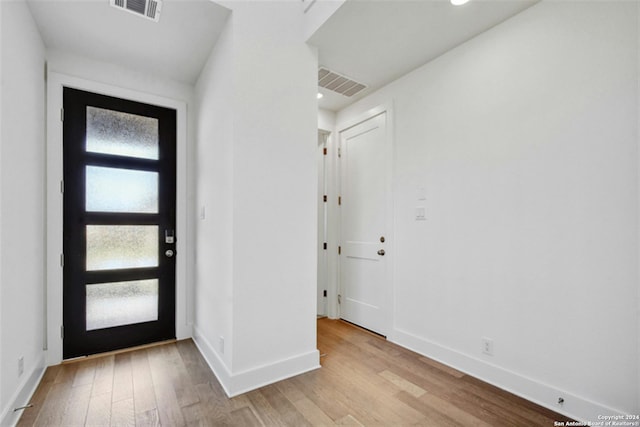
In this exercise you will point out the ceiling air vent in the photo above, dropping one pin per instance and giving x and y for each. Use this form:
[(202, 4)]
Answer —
[(149, 9), (337, 83)]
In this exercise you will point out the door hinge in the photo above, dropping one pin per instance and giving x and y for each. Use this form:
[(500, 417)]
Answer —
[(339, 200), (62, 331), (62, 114), (324, 151), (339, 299), (324, 198), (61, 260), (339, 250), (324, 246), (339, 152), (324, 293), (62, 186)]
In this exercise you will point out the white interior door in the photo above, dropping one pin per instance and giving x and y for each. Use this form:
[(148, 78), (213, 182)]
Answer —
[(365, 211)]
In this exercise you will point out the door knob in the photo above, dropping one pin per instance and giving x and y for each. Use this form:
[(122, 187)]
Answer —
[(381, 252), (169, 253)]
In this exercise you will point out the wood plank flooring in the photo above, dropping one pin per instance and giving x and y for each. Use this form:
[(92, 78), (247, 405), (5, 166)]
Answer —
[(364, 381)]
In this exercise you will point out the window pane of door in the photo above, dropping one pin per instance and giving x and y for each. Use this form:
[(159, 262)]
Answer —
[(121, 190), (111, 247), (122, 134), (121, 303)]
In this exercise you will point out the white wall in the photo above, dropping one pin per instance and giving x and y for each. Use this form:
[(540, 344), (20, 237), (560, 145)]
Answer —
[(1, 119), (274, 187), (638, 231), (22, 201), (214, 177), (317, 14), (525, 139), (270, 184), (116, 75), (326, 120)]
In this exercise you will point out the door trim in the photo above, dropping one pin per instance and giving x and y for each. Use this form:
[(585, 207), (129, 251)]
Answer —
[(54, 206), (323, 226), (344, 125)]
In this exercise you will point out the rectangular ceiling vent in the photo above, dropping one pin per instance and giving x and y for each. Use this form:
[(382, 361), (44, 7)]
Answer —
[(149, 9), (335, 82)]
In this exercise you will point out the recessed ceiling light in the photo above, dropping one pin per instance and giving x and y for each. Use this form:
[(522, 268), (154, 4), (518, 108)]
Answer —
[(458, 2), (320, 95)]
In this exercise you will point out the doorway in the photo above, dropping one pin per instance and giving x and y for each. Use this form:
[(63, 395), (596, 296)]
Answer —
[(119, 205)]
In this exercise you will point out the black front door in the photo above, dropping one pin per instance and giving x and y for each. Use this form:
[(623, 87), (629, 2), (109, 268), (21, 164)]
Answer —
[(119, 222)]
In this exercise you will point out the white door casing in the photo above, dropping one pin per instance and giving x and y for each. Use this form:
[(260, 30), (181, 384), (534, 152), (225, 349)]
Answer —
[(53, 295), (365, 223), (322, 225)]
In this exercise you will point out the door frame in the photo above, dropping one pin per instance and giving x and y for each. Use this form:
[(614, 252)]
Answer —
[(54, 205), (323, 259), (356, 119)]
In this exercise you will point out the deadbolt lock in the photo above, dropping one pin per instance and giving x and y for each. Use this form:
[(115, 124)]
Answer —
[(382, 239)]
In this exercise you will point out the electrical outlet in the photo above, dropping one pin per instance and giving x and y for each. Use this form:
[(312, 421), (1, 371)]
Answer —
[(487, 346), (221, 342), (20, 365)]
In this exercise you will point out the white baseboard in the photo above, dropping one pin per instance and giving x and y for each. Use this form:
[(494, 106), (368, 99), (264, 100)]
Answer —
[(238, 383), (23, 395), (212, 358), (254, 378), (575, 407)]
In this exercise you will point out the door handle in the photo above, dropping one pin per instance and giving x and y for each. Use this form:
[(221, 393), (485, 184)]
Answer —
[(381, 252), (169, 253)]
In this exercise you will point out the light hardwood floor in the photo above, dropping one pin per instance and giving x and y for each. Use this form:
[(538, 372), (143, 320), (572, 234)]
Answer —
[(364, 380)]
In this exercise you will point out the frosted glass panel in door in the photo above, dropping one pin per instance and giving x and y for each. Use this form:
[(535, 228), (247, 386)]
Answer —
[(121, 303), (121, 190), (123, 134), (111, 247)]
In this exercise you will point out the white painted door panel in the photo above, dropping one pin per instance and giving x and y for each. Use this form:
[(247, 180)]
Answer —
[(364, 222)]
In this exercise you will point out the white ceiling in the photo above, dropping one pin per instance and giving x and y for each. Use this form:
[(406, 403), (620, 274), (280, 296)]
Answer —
[(371, 41), (177, 47), (375, 42)]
